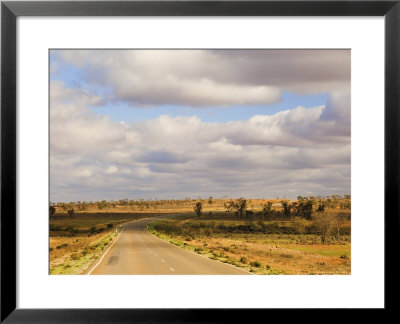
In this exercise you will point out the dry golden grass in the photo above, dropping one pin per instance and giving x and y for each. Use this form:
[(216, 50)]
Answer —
[(75, 244), (78, 260), (231, 240), (269, 258), (279, 259)]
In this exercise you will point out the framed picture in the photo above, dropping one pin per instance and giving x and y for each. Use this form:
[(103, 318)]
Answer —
[(165, 147)]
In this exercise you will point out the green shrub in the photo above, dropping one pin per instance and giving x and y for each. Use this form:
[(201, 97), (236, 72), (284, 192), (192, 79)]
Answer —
[(256, 264), (344, 257), (75, 256), (243, 260)]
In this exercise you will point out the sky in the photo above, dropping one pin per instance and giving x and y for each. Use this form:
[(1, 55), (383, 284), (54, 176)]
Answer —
[(172, 124)]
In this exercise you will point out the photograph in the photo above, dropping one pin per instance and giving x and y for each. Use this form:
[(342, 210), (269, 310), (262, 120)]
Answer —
[(199, 161)]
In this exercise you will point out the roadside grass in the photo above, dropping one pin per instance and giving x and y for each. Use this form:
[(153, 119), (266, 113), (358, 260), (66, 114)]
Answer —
[(256, 252), (325, 250), (78, 261)]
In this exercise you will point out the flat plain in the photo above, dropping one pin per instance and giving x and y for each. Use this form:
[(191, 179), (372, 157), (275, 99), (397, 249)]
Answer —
[(261, 237)]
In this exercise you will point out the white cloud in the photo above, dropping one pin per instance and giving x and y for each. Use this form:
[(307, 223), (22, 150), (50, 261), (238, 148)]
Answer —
[(210, 78), (300, 150), (112, 169)]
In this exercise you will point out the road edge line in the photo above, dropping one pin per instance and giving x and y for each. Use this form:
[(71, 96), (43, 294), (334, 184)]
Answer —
[(203, 256), (105, 253)]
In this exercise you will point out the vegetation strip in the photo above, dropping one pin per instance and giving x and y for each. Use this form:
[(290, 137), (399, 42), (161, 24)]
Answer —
[(184, 247), (310, 235)]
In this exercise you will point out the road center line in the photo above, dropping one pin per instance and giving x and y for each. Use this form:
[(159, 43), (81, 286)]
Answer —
[(172, 269)]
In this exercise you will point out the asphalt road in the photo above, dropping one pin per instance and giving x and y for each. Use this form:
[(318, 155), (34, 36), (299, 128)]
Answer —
[(136, 251)]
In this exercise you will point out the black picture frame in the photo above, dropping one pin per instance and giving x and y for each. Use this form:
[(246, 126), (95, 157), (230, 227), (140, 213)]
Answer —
[(10, 10)]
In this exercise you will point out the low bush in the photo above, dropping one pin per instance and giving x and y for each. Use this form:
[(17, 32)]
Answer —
[(286, 255), (61, 246), (243, 260), (256, 264), (75, 256)]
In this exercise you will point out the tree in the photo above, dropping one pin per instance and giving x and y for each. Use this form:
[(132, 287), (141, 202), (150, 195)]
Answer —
[(321, 205), (210, 200), (267, 210), (241, 207), (324, 222), (346, 204), (197, 208), (249, 213), (103, 204), (339, 221), (304, 207), (230, 206), (52, 210), (71, 212), (84, 205), (300, 225), (64, 206), (286, 208)]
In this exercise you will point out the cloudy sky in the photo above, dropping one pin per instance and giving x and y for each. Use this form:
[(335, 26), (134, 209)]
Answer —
[(160, 124)]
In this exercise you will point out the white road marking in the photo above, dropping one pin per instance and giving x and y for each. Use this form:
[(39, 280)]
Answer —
[(162, 260), (172, 269)]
